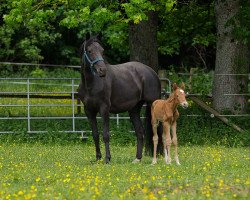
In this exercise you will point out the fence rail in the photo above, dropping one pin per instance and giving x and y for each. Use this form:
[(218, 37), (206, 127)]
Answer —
[(69, 93), (28, 95)]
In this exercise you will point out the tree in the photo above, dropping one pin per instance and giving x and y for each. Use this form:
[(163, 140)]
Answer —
[(232, 59), (143, 41), (52, 31)]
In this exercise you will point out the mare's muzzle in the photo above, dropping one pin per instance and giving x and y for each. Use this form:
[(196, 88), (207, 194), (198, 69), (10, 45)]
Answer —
[(101, 71)]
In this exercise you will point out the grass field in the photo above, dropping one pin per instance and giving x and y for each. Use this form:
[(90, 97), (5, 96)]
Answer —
[(38, 171)]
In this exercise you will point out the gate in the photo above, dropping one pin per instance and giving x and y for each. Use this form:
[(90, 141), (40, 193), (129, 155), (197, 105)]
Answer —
[(19, 94)]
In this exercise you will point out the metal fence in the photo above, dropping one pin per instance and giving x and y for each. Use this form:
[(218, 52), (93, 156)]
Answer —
[(27, 92), (66, 90)]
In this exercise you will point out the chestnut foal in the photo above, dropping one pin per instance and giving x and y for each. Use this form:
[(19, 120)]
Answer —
[(165, 111)]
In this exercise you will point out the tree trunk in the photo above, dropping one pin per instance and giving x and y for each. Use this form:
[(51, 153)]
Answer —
[(143, 41), (232, 63), (143, 48)]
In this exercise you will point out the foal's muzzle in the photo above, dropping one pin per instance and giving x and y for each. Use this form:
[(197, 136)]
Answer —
[(184, 105)]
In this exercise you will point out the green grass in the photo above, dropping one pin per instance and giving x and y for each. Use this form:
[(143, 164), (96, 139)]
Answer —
[(38, 171)]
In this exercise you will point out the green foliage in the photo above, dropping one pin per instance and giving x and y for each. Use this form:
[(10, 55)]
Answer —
[(201, 82), (35, 31), (205, 129), (136, 10), (241, 23), (190, 24), (38, 73)]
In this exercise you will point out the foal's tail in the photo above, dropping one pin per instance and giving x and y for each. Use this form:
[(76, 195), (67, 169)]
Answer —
[(149, 146)]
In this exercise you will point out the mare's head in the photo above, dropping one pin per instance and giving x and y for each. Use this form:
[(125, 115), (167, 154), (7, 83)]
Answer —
[(92, 56), (180, 95)]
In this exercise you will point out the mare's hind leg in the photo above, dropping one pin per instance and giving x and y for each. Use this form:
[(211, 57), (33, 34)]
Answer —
[(93, 123), (139, 130)]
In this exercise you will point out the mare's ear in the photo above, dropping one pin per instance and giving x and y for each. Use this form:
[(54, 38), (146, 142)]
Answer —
[(174, 86), (99, 36), (182, 85), (88, 36)]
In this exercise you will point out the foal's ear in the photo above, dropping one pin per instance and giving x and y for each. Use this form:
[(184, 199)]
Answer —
[(174, 86), (182, 85)]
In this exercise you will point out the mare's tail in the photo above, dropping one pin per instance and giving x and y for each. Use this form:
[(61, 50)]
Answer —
[(149, 146)]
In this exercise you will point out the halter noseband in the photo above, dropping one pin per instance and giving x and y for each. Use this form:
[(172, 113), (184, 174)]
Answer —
[(92, 63)]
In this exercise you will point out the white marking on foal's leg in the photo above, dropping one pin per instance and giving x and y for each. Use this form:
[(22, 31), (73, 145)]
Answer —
[(167, 158), (177, 160), (136, 160), (154, 161)]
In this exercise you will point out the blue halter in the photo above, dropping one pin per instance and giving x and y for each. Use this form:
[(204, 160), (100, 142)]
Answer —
[(92, 63)]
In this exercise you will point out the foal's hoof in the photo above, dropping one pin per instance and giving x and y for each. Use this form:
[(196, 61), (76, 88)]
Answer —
[(153, 162), (168, 162), (136, 160)]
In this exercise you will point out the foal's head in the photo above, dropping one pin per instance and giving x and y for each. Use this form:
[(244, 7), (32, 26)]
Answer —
[(180, 95), (92, 56)]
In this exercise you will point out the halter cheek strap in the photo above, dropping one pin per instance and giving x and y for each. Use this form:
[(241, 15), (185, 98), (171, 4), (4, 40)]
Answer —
[(92, 63)]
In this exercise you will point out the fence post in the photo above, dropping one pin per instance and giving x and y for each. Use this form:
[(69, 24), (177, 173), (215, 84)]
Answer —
[(117, 120), (162, 76), (78, 106), (28, 103), (73, 104)]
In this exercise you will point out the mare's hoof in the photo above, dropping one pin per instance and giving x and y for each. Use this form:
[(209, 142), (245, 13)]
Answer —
[(95, 161), (137, 160)]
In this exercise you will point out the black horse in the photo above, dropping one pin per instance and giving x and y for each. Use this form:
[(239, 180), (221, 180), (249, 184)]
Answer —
[(118, 88)]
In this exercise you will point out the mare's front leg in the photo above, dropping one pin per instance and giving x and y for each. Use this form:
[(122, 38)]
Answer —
[(139, 130), (175, 142), (93, 123), (104, 112)]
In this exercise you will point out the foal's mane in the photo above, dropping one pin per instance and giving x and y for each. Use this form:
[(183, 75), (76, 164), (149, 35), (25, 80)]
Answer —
[(172, 96)]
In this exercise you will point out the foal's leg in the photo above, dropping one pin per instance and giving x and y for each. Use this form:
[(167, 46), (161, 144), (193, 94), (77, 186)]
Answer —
[(104, 112), (168, 142), (93, 123), (164, 141), (155, 139), (139, 130), (175, 143)]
